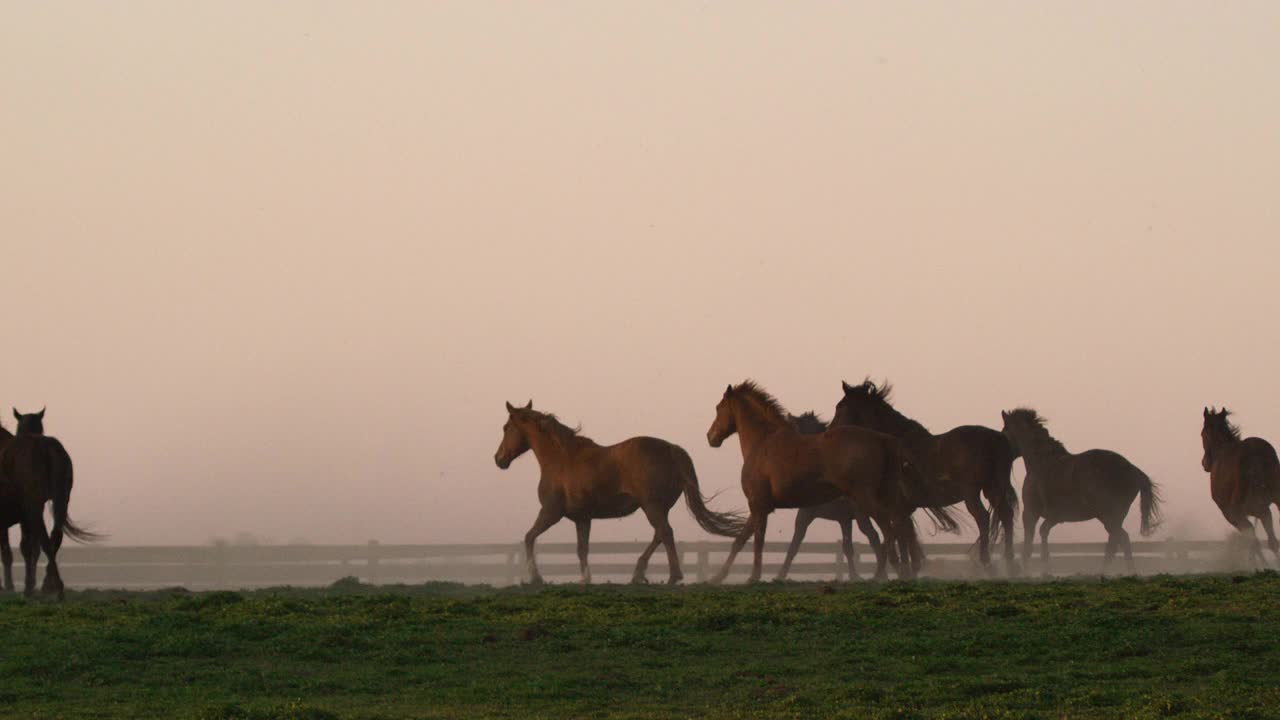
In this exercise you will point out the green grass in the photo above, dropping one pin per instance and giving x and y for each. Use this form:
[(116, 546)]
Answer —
[(1124, 648)]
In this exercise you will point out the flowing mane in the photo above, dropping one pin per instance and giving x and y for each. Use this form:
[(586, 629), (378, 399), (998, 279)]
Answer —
[(1218, 420), (881, 396), (808, 423), (1038, 434), (561, 434), (769, 407)]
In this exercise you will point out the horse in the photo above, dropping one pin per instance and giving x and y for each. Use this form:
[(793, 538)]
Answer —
[(1062, 486), (583, 481), (36, 469), (1244, 478), (840, 511), (963, 463), (785, 469), (10, 515)]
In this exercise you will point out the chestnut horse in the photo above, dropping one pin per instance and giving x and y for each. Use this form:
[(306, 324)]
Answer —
[(584, 481), (1244, 478), (962, 464), (1062, 486), (840, 511), (785, 469)]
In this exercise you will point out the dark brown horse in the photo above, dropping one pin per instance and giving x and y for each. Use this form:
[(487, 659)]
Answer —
[(962, 464), (35, 470), (1244, 478), (839, 511), (10, 515), (785, 469), (1073, 487), (584, 481)]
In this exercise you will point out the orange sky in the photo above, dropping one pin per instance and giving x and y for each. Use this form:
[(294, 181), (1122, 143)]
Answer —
[(275, 267)]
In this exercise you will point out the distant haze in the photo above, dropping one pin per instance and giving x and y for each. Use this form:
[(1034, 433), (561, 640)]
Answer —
[(275, 267)]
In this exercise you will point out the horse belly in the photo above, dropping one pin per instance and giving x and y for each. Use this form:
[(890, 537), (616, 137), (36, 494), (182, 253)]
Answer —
[(802, 492), (615, 506)]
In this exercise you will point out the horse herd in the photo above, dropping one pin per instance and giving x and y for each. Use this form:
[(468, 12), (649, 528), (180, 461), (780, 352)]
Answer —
[(873, 466)]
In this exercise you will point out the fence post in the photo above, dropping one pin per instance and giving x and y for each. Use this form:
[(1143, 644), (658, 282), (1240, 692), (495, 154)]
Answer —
[(704, 561), (512, 567), (839, 562), (373, 562), (220, 564)]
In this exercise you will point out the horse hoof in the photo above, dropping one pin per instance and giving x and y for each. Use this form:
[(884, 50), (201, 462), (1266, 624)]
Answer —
[(535, 581), (675, 579), (639, 580)]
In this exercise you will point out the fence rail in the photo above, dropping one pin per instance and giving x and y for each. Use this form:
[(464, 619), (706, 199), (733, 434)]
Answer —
[(234, 566)]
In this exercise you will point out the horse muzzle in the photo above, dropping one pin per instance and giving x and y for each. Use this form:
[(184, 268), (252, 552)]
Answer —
[(502, 462)]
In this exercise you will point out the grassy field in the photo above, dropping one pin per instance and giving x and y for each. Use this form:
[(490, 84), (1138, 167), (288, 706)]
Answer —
[(1145, 648)]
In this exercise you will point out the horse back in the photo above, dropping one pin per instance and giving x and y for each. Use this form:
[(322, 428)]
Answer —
[(643, 464), (33, 468), (1246, 476)]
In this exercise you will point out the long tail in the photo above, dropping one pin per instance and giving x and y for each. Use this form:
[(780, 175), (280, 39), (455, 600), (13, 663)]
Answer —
[(726, 524), (916, 484), (1149, 493), (62, 476), (1004, 498)]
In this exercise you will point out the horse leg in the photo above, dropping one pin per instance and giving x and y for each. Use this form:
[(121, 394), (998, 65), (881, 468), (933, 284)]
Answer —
[(662, 533), (846, 544), (1029, 520), (757, 563), (873, 539), (1044, 545), (803, 519), (1272, 543), (981, 516), (1110, 553), (52, 578), (1128, 550), (904, 532), (584, 545), (738, 542), (30, 557), (887, 549), (546, 518), (6, 558)]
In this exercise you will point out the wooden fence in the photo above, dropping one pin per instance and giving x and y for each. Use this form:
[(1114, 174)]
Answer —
[(234, 566)]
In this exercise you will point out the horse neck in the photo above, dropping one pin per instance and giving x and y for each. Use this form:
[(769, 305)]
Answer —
[(753, 428), (1041, 452), (1221, 441), (546, 448), (899, 425)]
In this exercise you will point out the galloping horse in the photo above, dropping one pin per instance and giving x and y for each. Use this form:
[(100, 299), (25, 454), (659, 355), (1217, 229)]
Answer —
[(962, 464), (584, 481), (1073, 487), (840, 511), (36, 469), (785, 469), (1244, 478)]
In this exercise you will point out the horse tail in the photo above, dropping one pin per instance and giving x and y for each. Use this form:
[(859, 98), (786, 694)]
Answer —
[(915, 484), (1152, 516), (1004, 498), (726, 524), (61, 476)]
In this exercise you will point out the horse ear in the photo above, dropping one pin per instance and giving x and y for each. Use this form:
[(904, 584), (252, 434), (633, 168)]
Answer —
[(728, 390), (1206, 413), (41, 413), (529, 405), (846, 386), (510, 408), (1004, 414), (17, 415)]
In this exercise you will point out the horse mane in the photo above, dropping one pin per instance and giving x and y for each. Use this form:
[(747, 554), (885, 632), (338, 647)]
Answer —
[(1035, 423), (808, 423), (560, 434), (773, 411), (1219, 419), (882, 396)]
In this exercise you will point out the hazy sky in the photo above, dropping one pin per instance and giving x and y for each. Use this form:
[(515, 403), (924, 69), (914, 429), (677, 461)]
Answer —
[(275, 267)]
